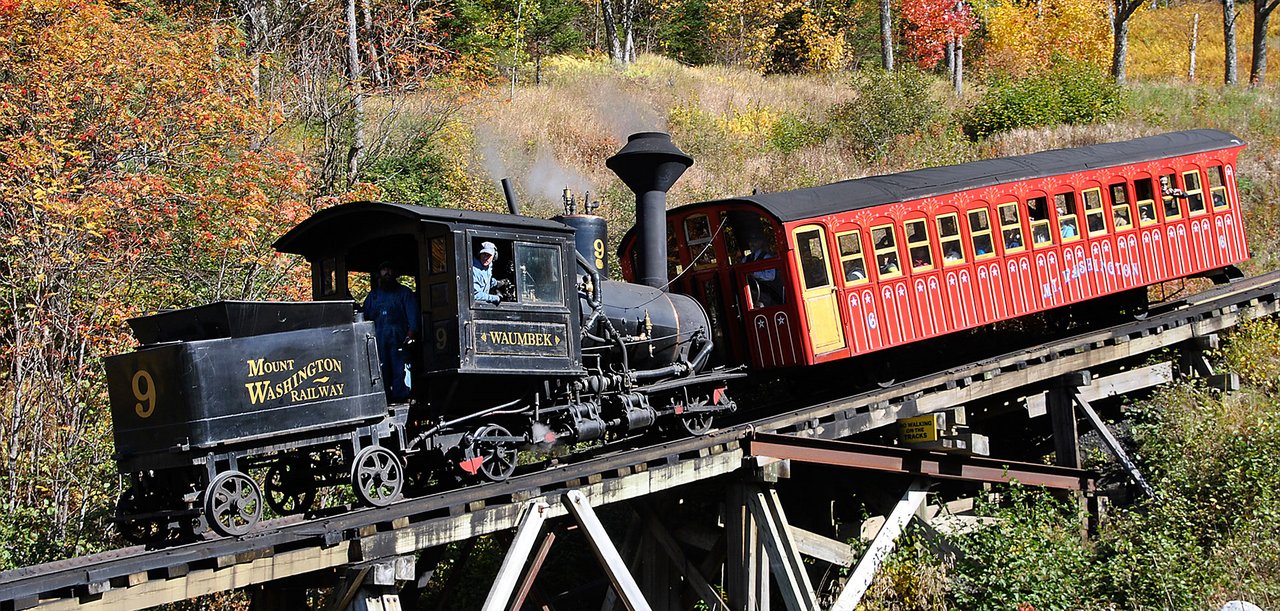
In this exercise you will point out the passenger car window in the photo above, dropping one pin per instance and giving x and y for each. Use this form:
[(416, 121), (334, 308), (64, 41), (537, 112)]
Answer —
[(1038, 214), (538, 274), (1168, 190), (1011, 227), (918, 245), (813, 259), (886, 251), (949, 239), (980, 234), (1217, 188), (1064, 205), (852, 261), (1094, 215), (698, 234), (1195, 192), (1146, 201), (1120, 207)]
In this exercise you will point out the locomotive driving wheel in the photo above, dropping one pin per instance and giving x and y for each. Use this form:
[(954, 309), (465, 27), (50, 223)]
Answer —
[(492, 444), (377, 476), (232, 503), (291, 486)]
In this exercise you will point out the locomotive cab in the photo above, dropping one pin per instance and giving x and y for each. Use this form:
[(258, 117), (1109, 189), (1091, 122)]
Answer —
[(529, 332)]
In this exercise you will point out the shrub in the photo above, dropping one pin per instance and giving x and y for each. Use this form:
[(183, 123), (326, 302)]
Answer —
[(1069, 92), (411, 177), (886, 105)]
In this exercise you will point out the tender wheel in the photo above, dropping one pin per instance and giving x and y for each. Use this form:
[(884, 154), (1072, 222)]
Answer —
[(140, 531), (232, 503), (498, 454), (377, 476), (290, 487)]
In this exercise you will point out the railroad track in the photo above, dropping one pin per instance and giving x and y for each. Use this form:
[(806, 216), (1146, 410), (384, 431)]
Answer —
[(137, 577)]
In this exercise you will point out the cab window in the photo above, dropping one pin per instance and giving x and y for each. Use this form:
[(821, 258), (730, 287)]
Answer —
[(1146, 197), (1168, 191), (538, 274), (886, 251), (1195, 192), (1217, 188), (1094, 216), (918, 245), (1120, 207), (1038, 214), (1064, 204), (852, 260), (1011, 228), (949, 239), (980, 234)]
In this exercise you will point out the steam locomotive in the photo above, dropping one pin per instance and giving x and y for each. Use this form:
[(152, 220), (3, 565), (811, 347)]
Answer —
[(295, 391)]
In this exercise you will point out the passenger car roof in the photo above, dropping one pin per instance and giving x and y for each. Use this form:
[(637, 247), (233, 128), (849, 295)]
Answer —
[(339, 223), (917, 184)]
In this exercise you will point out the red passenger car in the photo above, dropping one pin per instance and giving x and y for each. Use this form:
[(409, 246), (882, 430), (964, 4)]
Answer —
[(824, 273)]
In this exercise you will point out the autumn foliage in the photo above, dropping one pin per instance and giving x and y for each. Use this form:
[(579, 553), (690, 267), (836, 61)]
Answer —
[(932, 24), (133, 177), (1024, 37)]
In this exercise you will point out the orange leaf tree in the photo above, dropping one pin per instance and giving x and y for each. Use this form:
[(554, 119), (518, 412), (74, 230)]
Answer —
[(132, 178), (931, 24)]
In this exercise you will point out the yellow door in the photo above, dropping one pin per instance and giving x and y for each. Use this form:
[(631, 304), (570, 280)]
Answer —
[(821, 304)]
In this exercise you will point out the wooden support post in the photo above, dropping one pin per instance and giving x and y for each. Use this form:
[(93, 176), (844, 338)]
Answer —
[(672, 549), (513, 564), (793, 579), (526, 582), (881, 547), (747, 576), (1062, 415), (1114, 446), (374, 586), (605, 552)]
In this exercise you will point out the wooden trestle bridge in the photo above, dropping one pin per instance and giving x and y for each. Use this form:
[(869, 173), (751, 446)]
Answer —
[(666, 559)]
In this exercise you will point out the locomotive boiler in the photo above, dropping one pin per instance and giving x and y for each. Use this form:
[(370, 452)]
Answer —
[(229, 407)]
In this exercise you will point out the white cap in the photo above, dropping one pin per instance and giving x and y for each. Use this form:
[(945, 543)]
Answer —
[(489, 249)]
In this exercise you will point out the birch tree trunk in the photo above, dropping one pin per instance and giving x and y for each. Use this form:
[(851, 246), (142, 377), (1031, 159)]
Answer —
[(957, 76), (1122, 10), (375, 63), (611, 31), (886, 36), (356, 153), (1195, 36), (1229, 14)]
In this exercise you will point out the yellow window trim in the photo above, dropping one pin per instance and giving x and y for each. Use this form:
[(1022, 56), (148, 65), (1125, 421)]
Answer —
[(889, 250), (860, 255)]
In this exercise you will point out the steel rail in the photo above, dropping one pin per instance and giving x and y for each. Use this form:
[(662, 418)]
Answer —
[(413, 524)]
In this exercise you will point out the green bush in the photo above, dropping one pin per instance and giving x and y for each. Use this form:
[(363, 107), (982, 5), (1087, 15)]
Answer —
[(793, 132), (1032, 556), (411, 177), (1073, 93), (886, 106)]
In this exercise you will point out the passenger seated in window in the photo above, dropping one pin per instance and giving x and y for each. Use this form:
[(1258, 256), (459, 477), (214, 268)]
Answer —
[(1040, 234), (765, 289), (1068, 230), (889, 265), (853, 271), (1012, 239), (1122, 218), (952, 254), (1218, 200), (1145, 215)]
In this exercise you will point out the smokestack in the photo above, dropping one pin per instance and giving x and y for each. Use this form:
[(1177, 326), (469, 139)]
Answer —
[(510, 192), (649, 164)]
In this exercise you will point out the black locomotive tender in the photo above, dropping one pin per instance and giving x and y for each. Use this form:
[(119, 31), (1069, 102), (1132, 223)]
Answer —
[(292, 392)]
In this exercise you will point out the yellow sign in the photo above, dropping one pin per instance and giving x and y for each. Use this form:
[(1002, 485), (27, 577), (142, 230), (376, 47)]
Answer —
[(303, 383), (920, 428)]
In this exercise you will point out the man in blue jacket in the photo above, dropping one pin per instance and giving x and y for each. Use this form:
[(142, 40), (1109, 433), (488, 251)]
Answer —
[(393, 308), (482, 284)]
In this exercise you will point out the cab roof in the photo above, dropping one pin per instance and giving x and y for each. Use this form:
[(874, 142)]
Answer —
[(861, 193), (353, 221)]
